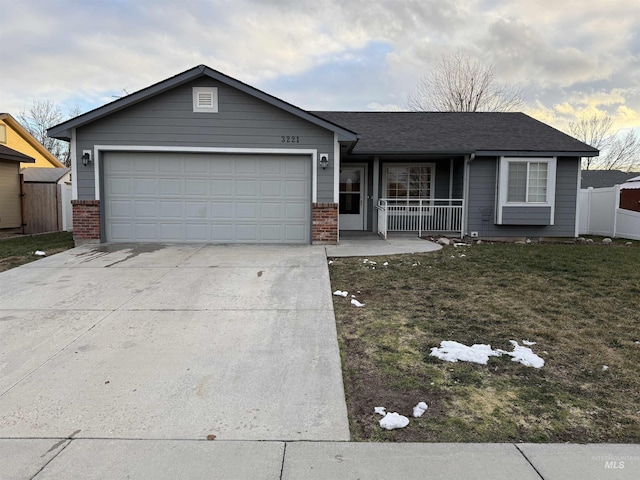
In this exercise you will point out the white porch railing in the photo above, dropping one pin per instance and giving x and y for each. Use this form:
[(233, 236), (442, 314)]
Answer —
[(423, 215)]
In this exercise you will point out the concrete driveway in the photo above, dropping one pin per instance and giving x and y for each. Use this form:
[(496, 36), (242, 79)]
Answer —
[(171, 342)]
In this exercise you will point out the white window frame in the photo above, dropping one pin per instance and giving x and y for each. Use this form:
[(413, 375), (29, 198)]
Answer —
[(503, 186), (197, 107), (386, 166)]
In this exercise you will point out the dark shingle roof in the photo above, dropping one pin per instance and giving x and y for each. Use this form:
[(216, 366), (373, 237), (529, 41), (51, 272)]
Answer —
[(604, 178), (454, 132), (7, 153)]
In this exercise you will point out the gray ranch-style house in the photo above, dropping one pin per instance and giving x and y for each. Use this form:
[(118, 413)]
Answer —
[(202, 157)]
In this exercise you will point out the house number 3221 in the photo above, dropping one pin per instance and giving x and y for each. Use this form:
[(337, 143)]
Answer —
[(288, 139)]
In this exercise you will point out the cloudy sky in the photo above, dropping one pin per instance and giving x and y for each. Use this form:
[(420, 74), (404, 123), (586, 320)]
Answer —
[(569, 57)]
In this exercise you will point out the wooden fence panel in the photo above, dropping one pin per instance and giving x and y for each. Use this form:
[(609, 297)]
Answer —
[(40, 207)]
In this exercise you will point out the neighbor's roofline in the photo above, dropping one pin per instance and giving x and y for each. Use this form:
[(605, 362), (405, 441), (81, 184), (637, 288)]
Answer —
[(31, 140), (63, 130), (8, 153), (483, 153)]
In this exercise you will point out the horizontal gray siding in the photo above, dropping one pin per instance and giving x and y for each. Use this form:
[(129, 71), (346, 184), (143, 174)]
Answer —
[(168, 119), (526, 215), (482, 201)]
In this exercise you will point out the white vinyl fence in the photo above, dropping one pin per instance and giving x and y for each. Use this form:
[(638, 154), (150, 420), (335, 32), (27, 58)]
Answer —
[(67, 211), (599, 214)]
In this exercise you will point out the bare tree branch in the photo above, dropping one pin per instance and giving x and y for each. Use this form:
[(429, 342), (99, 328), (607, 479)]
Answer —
[(459, 83), (41, 115), (617, 151)]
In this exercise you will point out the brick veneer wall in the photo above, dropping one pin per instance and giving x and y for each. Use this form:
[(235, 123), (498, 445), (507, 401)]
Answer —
[(86, 221), (324, 219)]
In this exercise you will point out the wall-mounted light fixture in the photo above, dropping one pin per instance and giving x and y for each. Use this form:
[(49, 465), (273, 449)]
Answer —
[(324, 160), (86, 157)]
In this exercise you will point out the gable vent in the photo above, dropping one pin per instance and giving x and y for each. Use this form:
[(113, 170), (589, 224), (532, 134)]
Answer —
[(205, 99)]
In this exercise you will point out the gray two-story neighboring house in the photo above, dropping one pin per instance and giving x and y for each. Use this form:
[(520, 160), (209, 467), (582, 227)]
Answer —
[(202, 157)]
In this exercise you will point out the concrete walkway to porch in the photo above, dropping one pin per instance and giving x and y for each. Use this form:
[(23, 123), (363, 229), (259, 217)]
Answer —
[(368, 244)]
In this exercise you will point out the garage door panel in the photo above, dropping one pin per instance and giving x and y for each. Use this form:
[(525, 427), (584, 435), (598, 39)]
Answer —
[(221, 188), (271, 211), (145, 186), (198, 232), (120, 208), (295, 212), (156, 197), (119, 186), (196, 165), (171, 232), (246, 188), (271, 188), (195, 210), (143, 166), (294, 189), (196, 187), (248, 166), (146, 208), (222, 233), (246, 233), (246, 211), (170, 209), (271, 233), (120, 231), (294, 234), (170, 187), (145, 232), (220, 210)]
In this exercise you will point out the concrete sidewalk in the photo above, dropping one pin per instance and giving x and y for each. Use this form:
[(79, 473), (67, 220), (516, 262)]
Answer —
[(46, 459), (367, 244)]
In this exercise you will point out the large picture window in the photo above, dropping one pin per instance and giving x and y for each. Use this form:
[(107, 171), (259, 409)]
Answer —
[(527, 182), (409, 183), (526, 191)]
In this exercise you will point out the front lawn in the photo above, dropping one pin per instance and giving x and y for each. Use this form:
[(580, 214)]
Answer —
[(17, 251), (579, 303)]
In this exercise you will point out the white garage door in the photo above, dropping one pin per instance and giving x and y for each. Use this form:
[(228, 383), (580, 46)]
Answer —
[(175, 197)]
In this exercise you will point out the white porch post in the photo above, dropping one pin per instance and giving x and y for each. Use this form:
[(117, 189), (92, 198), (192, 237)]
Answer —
[(376, 189)]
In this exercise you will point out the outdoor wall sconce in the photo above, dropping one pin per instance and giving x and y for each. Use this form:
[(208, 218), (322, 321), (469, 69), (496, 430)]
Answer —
[(324, 160), (86, 157)]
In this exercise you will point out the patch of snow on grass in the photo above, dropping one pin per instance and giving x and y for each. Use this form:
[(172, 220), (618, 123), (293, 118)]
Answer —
[(528, 343), (380, 411), (419, 409), (340, 293), (356, 303), (524, 355), (453, 351), (394, 420), (39, 253)]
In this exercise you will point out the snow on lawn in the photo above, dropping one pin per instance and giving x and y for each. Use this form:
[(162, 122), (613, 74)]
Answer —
[(39, 253), (454, 351), (394, 420), (419, 409), (340, 293), (479, 353), (356, 303)]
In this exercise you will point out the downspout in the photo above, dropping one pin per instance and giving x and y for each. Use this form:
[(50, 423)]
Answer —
[(465, 200)]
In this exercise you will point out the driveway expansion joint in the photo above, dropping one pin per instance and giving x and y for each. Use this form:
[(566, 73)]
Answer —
[(528, 461)]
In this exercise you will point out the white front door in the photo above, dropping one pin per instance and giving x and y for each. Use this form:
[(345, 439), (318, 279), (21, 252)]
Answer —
[(352, 198)]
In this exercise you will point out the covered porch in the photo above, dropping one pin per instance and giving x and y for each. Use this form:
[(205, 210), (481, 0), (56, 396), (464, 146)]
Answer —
[(417, 194)]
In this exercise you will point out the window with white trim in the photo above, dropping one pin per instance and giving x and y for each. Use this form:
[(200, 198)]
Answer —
[(205, 99), (527, 182), (526, 188), (405, 184)]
